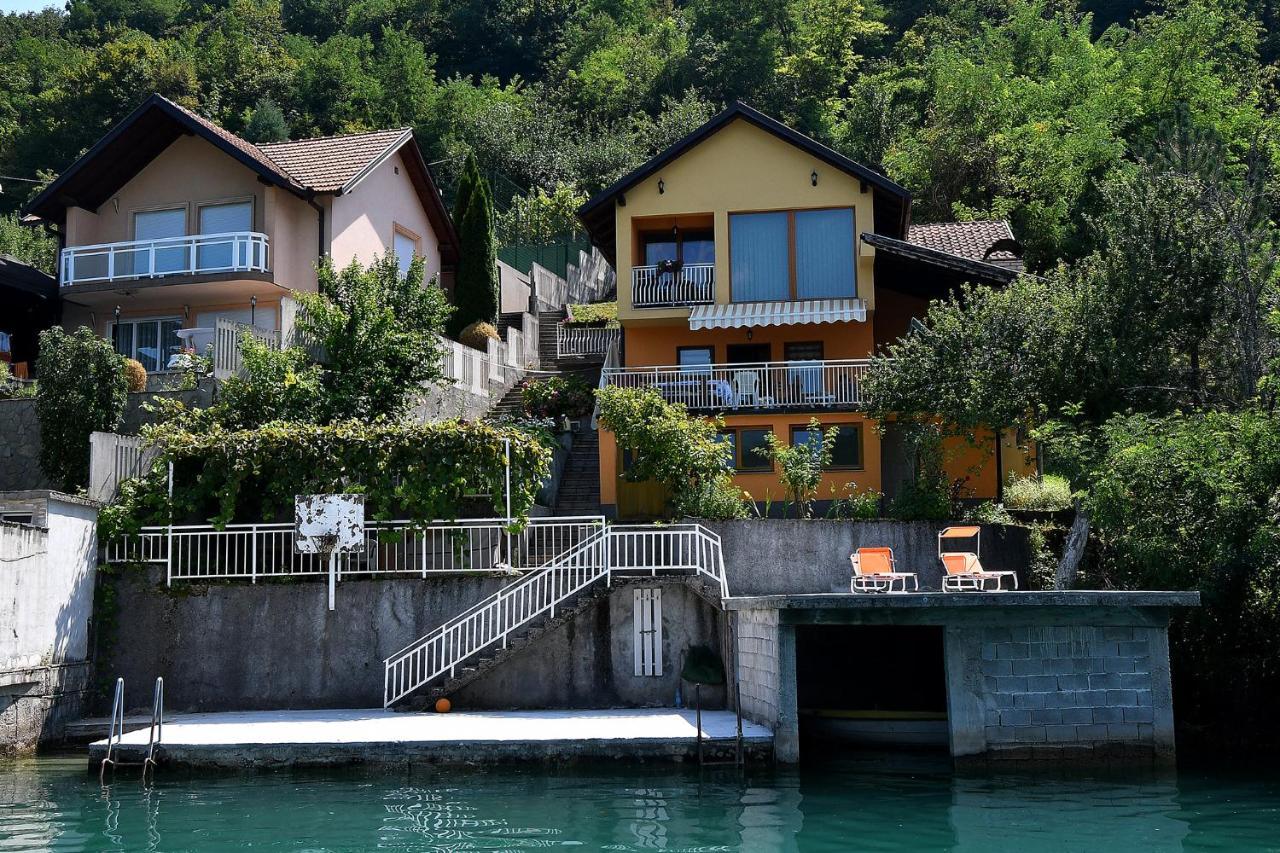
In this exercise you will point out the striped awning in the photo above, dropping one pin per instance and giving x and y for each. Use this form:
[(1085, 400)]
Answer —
[(741, 315)]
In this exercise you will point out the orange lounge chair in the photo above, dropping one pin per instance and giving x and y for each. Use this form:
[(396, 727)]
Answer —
[(964, 571), (874, 570)]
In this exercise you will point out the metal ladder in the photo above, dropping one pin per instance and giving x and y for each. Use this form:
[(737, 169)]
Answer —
[(116, 732)]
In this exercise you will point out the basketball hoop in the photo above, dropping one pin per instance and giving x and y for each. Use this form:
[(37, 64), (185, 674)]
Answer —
[(329, 525)]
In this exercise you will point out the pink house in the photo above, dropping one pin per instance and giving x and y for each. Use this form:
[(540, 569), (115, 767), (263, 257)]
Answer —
[(170, 224)]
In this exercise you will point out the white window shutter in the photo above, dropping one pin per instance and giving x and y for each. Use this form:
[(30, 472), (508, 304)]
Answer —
[(647, 628)]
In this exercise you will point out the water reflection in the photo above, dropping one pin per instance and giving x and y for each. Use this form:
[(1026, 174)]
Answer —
[(892, 805)]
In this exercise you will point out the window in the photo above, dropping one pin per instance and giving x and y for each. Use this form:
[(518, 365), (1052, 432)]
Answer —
[(695, 359), (802, 351), (160, 225), (743, 443), (688, 247), (231, 218), (728, 438), (149, 341), (647, 627), (847, 454), (406, 248), (747, 353), (785, 255)]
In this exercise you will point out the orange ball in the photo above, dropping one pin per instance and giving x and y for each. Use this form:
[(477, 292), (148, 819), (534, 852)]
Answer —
[(443, 706)]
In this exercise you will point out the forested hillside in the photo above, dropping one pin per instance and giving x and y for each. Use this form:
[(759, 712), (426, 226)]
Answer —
[(1007, 108)]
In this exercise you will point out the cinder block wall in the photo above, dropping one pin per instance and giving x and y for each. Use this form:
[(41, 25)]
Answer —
[(759, 670), (1050, 688)]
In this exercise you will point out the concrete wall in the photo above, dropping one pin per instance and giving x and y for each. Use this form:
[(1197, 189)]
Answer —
[(785, 556), (589, 662), (20, 447), (20, 433), (46, 601), (515, 289)]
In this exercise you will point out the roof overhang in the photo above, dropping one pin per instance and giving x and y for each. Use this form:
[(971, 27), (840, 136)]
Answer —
[(976, 271), (118, 157), (892, 201), (745, 315)]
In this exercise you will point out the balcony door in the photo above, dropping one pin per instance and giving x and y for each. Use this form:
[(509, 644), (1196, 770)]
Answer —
[(162, 230), (234, 218)]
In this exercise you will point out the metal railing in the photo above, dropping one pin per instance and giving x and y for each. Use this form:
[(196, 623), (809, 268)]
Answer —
[(194, 254), (585, 341), (764, 385), (201, 552), (492, 621), (691, 284)]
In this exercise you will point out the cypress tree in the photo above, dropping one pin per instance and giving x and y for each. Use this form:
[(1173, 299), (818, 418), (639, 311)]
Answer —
[(476, 291)]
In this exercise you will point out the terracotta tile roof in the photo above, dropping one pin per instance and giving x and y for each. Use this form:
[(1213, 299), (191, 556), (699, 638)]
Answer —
[(969, 240), (327, 163), (239, 143)]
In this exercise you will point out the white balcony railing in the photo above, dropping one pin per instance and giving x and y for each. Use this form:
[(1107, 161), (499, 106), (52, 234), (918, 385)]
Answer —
[(195, 254), (766, 385), (691, 284), (585, 341)]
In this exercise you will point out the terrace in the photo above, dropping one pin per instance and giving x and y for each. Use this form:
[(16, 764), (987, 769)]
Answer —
[(190, 255), (755, 386)]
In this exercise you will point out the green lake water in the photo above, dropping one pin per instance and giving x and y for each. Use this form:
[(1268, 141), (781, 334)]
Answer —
[(842, 804)]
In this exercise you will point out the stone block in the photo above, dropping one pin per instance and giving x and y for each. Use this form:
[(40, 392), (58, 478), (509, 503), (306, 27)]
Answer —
[(991, 717), (1104, 681), (1042, 683), (1061, 734), (1003, 700), (988, 651), (1122, 731), (999, 734), (1073, 682), (1030, 734), (1013, 650), (1046, 717), (1028, 666), (1108, 715), (1120, 665), (1028, 700), (1122, 697), (993, 667), (1135, 681), (1091, 732), (1061, 665), (1077, 716), (1133, 648), (1011, 684), (1015, 717), (1144, 698), (1117, 634), (1139, 715), (1146, 732)]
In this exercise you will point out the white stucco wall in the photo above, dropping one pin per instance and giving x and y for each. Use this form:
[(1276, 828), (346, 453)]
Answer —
[(46, 586)]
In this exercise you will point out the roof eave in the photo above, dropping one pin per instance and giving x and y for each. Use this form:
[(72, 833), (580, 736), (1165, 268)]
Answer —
[(902, 248)]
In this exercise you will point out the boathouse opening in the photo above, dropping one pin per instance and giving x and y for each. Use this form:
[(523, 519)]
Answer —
[(872, 685)]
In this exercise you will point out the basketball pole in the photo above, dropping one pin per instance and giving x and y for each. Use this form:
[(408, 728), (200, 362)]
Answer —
[(333, 575)]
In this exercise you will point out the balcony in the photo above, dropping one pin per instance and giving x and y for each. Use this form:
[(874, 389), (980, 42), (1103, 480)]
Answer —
[(760, 386), (194, 254), (662, 287)]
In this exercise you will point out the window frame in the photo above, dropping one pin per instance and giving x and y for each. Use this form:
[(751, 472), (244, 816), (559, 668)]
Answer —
[(644, 235), (696, 368), (766, 465), (399, 230), (791, 249), (787, 345), (135, 322), (856, 427)]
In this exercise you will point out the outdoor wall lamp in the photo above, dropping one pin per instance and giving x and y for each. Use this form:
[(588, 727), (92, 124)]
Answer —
[(186, 312), (662, 186), (749, 334), (813, 178), (253, 309)]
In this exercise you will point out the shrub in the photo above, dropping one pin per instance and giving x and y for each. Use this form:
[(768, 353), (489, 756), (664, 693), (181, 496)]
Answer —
[(927, 496), (556, 397), (800, 465), (478, 334), (82, 390), (476, 287), (668, 445), (417, 471), (856, 505), (1049, 492), (274, 385), (135, 375), (989, 512), (593, 314)]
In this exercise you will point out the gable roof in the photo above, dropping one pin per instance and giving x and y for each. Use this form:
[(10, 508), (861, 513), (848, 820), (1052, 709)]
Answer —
[(973, 240), (892, 202), (21, 276), (976, 270), (304, 167), (328, 163)]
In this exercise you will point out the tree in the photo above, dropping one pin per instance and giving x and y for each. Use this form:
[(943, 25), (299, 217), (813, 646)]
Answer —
[(475, 291), (266, 123), (380, 335), (31, 245), (800, 466), (82, 390)]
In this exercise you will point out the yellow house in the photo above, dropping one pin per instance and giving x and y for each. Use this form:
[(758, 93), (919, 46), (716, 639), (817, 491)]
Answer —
[(171, 226), (758, 271)]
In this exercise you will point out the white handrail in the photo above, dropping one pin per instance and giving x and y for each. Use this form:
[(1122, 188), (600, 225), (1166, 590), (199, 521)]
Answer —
[(691, 284), (115, 732), (493, 620), (753, 386), (191, 254), (585, 340)]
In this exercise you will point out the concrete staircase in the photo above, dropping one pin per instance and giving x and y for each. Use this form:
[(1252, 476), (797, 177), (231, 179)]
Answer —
[(571, 609), (580, 484)]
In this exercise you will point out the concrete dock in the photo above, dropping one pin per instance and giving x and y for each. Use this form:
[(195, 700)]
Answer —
[(375, 736)]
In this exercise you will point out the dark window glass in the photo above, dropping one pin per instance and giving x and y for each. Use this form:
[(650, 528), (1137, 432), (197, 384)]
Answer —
[(802, 351), (749, 442), (698, 247), (847, 452), (658, 249), (730, 440)]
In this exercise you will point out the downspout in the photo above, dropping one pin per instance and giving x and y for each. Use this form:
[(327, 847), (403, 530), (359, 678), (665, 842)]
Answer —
[(320, 252)]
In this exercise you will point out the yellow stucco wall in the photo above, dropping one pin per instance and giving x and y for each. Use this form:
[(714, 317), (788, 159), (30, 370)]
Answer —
[(739, 168)]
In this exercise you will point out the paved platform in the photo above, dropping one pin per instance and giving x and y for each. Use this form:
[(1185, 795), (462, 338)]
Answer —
[(300, 738)]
